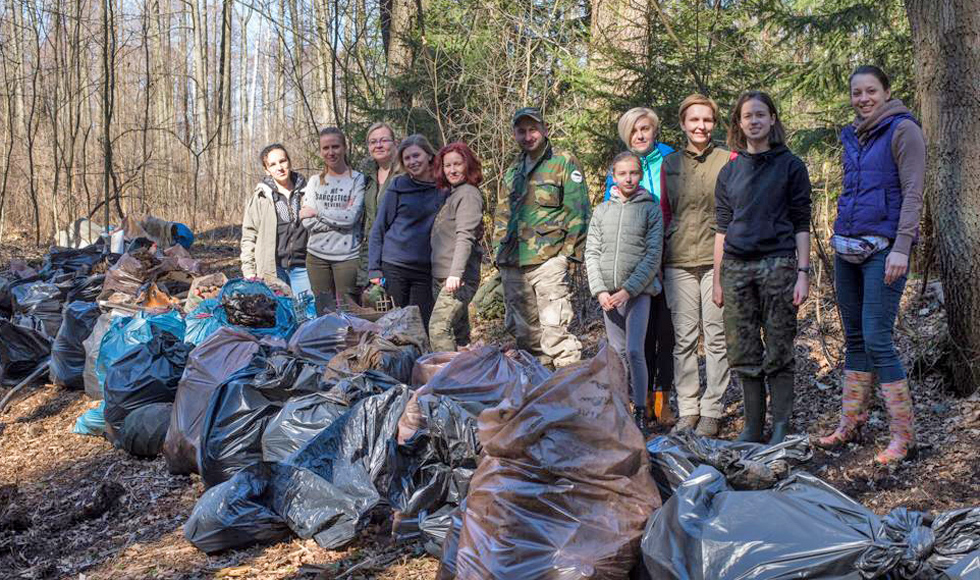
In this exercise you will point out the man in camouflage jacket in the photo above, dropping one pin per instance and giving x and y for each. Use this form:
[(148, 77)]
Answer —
[(541, 223)]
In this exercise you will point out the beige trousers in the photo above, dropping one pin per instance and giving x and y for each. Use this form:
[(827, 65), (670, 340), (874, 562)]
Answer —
[(688, 293), (539, 310)]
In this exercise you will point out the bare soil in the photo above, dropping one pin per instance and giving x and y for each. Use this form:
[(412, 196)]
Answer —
[(73, 507)]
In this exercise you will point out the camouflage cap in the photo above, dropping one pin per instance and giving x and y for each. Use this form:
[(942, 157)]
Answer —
[(532, 112)]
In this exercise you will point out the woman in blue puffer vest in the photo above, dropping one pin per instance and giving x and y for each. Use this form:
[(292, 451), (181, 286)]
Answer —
[(877, 222)]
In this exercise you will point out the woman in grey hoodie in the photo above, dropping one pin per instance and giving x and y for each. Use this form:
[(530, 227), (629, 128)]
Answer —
[(456, 253), (622, 258), (333, 211)]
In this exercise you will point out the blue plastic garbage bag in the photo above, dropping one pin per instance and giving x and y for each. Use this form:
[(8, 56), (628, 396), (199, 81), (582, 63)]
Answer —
[(129, 331), (201, 322), (91, 422), (233, 290)]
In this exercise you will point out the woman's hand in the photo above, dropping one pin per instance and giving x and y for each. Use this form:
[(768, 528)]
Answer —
[(604, 301), (717, 294), (619, 298), (896, 266), (375, 281), (453, 284), (802, 289), (307, 212)]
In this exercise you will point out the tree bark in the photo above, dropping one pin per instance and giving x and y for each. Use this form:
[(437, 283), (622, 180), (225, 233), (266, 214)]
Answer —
[(618, 37), (946, 36)]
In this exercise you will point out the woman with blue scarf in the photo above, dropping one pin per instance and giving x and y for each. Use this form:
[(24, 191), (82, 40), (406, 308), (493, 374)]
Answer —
[(638, 129)]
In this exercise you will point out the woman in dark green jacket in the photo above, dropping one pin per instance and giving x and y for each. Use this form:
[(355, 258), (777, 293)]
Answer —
[(379, 169)]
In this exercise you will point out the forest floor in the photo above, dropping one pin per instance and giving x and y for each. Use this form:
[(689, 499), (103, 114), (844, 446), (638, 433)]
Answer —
[(74, 507)]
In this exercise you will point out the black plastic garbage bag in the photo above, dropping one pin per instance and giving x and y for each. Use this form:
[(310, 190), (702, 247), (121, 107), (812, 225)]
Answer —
[(746, 465), (21, 350), (286, 376), (318, 340), (302, 418), (236, 417), (72, 260), (967, 568), (217, 358), (801, 528), (86, 288), (237, 513), (67, 350), (144, 430), (41, 301), (339, 476), (146, 374)]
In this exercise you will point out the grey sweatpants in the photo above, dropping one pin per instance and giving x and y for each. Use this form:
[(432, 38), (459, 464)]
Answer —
[(626, 329)]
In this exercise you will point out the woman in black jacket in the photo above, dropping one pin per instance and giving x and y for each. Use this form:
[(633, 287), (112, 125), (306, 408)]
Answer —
[(761, 260)]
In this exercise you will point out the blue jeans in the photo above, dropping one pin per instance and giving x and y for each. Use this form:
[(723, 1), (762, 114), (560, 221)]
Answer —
[(868, 308), (297, 278)]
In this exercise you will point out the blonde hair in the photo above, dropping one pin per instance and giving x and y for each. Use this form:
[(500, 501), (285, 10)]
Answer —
[(380, 125), (697, 99), (630, 118)]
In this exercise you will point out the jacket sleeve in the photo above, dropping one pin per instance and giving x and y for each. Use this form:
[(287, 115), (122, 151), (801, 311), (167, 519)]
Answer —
[(723, 206), (250, 233), (340, 218), (469, 216), (578, 209), (593, 254), (386, 215), (799, 202), (665, 199), (501, 213), (648, 268), (909, 151)]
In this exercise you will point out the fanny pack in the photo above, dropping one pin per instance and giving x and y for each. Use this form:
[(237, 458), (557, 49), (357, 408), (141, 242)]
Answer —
[(857, 250)]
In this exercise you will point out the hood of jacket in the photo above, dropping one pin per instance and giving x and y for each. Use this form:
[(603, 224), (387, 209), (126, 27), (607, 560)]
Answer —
[(405, 184), (864, 126), (299, 182), (768, 155), (641, 195)]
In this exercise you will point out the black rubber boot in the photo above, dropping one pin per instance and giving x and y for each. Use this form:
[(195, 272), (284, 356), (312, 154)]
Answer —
[(754, 404), (781, 391), (641, 421)]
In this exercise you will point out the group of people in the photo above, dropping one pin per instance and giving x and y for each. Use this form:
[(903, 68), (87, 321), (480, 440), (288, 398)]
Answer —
[(703, 241)]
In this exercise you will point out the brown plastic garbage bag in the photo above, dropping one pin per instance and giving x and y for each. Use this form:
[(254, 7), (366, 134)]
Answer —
[(564, 488), (427, 366), (404, 326), (222, 354)]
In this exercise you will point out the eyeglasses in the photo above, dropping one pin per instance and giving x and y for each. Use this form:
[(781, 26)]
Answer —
[(375, 142)]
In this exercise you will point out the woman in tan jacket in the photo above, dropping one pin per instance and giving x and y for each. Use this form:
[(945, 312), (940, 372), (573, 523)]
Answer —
[(688, 203)]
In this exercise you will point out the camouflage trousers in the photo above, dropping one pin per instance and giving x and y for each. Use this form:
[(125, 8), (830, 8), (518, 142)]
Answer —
[(449, 325), (760, 318), (538, 305)]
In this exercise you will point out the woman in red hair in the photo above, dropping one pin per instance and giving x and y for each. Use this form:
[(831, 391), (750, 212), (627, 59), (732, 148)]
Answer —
[(456, 252)]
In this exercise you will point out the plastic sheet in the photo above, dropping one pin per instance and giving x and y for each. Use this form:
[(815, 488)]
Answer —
[(746, 465), (21, 350), (224, 353), (144, 430), (564, 488), (146, 374), (68, 350), (235, 514)]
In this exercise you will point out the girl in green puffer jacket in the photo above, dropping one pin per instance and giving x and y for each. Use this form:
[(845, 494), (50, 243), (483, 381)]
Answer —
[(622, 257)]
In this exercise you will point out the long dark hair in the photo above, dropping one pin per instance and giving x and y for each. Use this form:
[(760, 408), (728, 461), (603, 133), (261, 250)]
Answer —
[(736, 138)]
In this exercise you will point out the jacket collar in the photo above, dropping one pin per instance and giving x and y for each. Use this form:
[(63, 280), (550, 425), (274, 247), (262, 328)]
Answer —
[(699, 156), (865, 127), (522, 158), (268, 185)]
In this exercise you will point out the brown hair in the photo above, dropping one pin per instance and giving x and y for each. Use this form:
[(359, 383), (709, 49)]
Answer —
[(870, 69), (343, 141), (264, 154), (417, 140), (623, 156), (736, 138)]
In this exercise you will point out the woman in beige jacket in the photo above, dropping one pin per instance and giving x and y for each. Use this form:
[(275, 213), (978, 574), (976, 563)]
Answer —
[(273, 237)]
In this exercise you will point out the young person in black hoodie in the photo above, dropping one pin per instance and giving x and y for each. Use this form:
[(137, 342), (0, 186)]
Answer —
[(400, 248), (762, 260)]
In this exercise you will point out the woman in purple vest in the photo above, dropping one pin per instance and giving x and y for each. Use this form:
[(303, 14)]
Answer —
[(877, 221)]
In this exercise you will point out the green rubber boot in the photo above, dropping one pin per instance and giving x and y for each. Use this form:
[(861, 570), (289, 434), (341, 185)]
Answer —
[(754, 404)]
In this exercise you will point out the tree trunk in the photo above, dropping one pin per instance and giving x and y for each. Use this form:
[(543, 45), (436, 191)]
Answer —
[(618, 40), (946, 36)]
